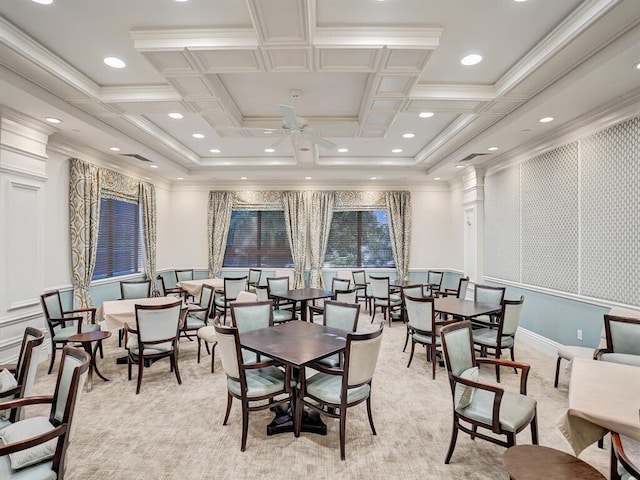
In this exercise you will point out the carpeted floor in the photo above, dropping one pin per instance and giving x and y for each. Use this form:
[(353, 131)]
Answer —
[(172, 431)]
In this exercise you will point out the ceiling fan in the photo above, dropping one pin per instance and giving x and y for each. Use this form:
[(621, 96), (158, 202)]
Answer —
[(293, 126)]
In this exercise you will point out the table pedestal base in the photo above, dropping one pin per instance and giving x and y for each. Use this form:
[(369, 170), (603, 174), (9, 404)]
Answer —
[(283, 422)]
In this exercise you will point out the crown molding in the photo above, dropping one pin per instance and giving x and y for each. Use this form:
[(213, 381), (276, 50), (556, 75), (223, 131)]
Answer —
[(426, 91), (194, 38), (427, 37), (139, 93)]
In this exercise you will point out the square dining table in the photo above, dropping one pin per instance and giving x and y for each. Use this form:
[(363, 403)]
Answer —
[(465, 309), (295, 344), (303, 295), (194, 287)]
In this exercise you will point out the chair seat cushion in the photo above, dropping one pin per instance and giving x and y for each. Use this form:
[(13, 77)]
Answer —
[(328, 388), (489, 338), (41, 471), (424, 339), (260, 382), (132, 346), (331, 361), (516, 411), (282, 315), (193, 323), (208, 333), (624, 358), (89, 327), (23, 430), (569, 352), (394, 300), (63, 334)]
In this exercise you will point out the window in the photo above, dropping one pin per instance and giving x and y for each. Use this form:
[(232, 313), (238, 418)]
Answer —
[(257, 239), (359, 239), (119, 240)]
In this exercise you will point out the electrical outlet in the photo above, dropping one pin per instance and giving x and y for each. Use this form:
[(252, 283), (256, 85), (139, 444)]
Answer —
[(579, 334)]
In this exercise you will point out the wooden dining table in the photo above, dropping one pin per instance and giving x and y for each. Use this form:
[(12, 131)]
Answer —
[(194, 287), (303, 295), (464, 309)]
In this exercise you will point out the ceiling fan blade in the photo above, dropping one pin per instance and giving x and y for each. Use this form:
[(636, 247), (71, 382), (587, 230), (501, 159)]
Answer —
[(290, 119), (276, 143), (319, 140)]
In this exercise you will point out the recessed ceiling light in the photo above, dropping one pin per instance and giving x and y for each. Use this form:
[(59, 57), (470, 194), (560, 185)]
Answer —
[(114, 62), (425, 114), (197, 135), (114, 149), (307, 178), (243, 178), (214, 150), (408, 135), (176, 115), (638, 66), (492, 149), (472, 59), (53, 120), (343, 150), (179, 178), (437, 178), (546, 119), (268, 132), (43, 2), (396, 150), (182, 1), (269, 150), (459, 166), (153, 166), (373, 178), (519, 1), (526, 130)]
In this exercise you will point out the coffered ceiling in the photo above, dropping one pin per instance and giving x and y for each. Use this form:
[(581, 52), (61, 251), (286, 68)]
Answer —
[(354, 75)]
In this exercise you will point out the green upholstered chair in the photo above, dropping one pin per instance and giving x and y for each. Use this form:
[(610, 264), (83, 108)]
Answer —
[(63, 324), (622, 467), (383, 298), (198, 313), (155, 337), (132, 289), (500, 335), (222, 299), (460, 292), (480, 404), (622, 339), (283, 310), (362, 287), (251, 383), (423, 328), (433, 283), (170, 291), (35, 448), (251, 316), (184, 274), (341, 292), (343, 316), (23, 373), (332, 391), (490, 295), (207, 334), (253, 279)]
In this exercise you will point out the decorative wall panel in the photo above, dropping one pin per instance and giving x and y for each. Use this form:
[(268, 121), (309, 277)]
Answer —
[(549, 192), (610, 209), (502, 224)]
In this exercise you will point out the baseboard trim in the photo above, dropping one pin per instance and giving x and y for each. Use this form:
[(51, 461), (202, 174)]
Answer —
[(537, 341)]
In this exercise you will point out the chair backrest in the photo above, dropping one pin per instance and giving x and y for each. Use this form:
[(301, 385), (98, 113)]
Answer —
[(157, 323), (184, 274), (420, 313), (463, 285), (510, 316), (135, 289), (341, 315), (228, 340), (206, 296), (277, 285), (413, 291), (457, 345), (163, 287), (361, 356), (627, 466), (233, 286), (434, 278), (74, 367), (488, 294), (254, 277), (252, 316), (262, 293), (359, 277), (246, 297), (379, 286), (28, 359), (52, 305), (346, 296), (339, 284), (622, 334)]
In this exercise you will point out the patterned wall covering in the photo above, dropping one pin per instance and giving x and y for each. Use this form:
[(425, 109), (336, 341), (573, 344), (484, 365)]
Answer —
[(610, 200), (579, 217)]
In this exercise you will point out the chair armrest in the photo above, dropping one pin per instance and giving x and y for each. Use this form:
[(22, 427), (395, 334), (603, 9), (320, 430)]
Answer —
[(484, 324), (262, 364), (597, 353), (91, 310), (324, 369), (316, 309), (12, 367), (509, 363), (22, 402), (497, 397), (8, 448)]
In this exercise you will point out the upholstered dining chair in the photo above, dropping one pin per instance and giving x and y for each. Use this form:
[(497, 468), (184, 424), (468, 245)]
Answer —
[(621, 467), (488, 294), (340, 315), (35, 448), (251, 383), (423, 328), (198, 313), (207, 334), (184, 275), (253, 279), (132, 289), (623, 340), (501, 335), (155, 337), (482, 405), (460, 292), (339, 294), (21, 375), (433, 284), (222, 299), (334, 390), (170, 291), (283, 310), (383, 298), (63, 324), (362, 287)]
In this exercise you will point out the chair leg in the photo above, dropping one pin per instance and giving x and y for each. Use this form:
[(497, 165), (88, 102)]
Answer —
[(555, 382), (498, 366), (53, 357), (406, 340), (297, 422), (511, 439), (452, 442), (199, 347), (140, 370), (226, 415), (174, 362), (413, 345), (120, 336), (534, 429), (433, 361), (343, 431), (245, 425), (513, 358), (213, 355), (369, 414)]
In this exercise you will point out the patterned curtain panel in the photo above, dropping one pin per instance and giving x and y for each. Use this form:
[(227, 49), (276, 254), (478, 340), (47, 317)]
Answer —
[(219, 219), (147, 202), (296, 218), (84, 214), (399, 211), (321, 213)]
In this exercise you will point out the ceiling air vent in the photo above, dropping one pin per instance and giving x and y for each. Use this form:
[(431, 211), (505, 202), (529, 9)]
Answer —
[(471, 156), (136, 156)]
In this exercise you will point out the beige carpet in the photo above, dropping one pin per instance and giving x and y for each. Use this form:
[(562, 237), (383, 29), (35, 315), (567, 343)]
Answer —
[(172, 431)]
